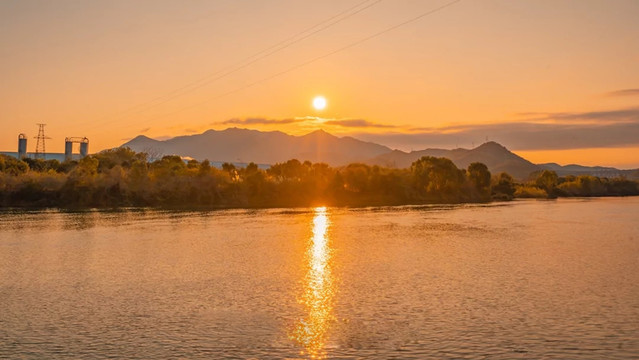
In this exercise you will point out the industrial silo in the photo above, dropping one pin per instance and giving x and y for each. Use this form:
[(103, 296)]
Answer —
[(84, 147), (68, 149), (22, 146)]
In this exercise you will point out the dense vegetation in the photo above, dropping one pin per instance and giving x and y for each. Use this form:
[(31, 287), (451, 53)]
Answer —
[(121, 177)]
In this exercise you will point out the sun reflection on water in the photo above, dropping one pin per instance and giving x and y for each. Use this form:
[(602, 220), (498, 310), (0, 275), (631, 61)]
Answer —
[(310, 332)]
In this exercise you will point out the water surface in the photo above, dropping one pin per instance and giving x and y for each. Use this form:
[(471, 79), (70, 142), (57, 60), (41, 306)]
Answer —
[(527, 279)]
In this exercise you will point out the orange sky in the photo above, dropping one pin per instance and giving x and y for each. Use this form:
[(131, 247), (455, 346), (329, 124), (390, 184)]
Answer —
[(551, 80)]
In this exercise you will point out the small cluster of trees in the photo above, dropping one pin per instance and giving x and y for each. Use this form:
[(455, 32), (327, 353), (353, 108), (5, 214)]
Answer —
[(548, 185), (121, 177)]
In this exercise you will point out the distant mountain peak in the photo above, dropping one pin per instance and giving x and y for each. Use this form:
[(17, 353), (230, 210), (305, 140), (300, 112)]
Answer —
[(142, 137), (264, 147), (491, 145), (492, 154), (140, 141), (319, 132), (238, 130)]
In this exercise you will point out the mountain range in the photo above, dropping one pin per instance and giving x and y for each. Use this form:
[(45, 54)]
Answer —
[(495, 156), (242, 145)]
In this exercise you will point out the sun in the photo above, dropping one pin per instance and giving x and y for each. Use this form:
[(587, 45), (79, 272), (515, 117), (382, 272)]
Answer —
[(319, 103)]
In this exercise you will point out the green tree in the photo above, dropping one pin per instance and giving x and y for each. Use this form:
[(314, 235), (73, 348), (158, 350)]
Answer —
[(479, 176), (356, 177), (437, 179), (12, 166), (122, 156), (503, 187), (205, 167), (547, 180)]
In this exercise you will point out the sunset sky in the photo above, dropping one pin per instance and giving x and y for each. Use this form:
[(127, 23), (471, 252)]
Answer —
[(550, 80)]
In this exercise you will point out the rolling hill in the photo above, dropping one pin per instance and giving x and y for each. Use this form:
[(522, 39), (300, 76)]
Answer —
[(243, 145), (599, 171), (495, 156)]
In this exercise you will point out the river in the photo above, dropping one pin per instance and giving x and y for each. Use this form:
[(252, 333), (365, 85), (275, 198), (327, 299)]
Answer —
[(523, 279)]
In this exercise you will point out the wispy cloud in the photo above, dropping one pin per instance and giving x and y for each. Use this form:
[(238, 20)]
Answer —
[(624, 92), (345, 123), (525, 131), (516, 136), (190, 131), (358, 123), (259, 121), (621, 115), (145, 130)]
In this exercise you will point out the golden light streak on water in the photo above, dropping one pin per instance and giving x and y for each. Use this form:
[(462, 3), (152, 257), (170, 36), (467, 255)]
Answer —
[(317, 298)]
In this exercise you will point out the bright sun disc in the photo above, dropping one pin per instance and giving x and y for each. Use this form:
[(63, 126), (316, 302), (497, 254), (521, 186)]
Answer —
[(319, 103)]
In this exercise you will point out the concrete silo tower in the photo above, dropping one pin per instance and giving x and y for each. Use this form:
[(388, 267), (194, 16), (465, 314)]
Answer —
[(84, 147), (22, 146), (68, 147)]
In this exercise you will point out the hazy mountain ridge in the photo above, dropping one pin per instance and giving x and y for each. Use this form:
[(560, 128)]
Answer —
[(243, 145), (600, 171), (495, 156)]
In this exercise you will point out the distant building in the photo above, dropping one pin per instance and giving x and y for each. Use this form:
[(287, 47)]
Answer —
[(67, 155), (22, 146), (68, 147), (48, 156)]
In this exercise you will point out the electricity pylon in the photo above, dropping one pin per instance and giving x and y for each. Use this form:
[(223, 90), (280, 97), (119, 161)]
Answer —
[(40, 148)]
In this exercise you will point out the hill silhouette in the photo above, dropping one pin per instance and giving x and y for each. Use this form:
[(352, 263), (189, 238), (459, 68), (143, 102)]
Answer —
[(599, 171), (237, 145), (243, 145), (495, 156)]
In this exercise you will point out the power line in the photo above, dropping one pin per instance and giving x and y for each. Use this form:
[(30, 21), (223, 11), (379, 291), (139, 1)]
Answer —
[(284, 44), (236, 69), (344, 48)]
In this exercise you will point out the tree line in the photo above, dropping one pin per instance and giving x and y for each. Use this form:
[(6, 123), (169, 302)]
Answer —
[(121, 177)]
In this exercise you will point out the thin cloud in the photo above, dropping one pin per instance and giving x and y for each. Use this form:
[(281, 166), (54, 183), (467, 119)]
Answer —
[(530, 114), (622, 115), (347, 123), (259, 121), (516, 136), (358, 123), (191, 131), (624, 92), (145, 130), (421, 129)]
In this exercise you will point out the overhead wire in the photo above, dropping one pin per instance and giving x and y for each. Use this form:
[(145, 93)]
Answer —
[(318, 58), (252, 59)]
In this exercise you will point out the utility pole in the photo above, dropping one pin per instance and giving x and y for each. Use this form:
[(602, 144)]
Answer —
[(40, 148)]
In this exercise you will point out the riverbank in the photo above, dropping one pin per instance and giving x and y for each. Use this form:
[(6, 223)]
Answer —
[(123, 178)]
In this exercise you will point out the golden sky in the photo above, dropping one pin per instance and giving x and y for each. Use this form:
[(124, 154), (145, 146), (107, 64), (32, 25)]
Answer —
[(551, 80)]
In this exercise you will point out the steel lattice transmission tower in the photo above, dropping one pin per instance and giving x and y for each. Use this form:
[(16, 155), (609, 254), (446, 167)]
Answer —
[(40, 148)]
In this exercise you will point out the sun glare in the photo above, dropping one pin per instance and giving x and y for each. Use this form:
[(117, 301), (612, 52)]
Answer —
[(311, 331), (319, 103)]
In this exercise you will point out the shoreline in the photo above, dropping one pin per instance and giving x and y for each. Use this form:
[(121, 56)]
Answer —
[(72, 209)]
